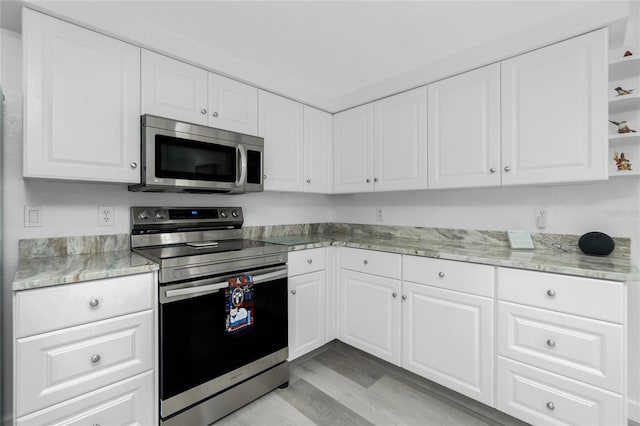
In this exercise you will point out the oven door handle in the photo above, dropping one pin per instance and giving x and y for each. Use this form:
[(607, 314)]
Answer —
[(212, 288)]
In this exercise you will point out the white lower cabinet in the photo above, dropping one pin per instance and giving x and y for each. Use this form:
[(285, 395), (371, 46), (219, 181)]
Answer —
[(307, 296), (447, 337), (124, 403), (87, 366)]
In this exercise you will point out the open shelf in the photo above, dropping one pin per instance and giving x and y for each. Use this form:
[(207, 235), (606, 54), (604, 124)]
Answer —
[(624, 103), (624, 68), (626, 138)]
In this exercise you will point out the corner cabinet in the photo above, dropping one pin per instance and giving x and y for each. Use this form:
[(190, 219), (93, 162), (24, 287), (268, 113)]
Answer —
[(84, 352), (318, 148), (554, 113), (82, 103)]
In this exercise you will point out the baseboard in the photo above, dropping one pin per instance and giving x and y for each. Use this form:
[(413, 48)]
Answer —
[(634, 410)]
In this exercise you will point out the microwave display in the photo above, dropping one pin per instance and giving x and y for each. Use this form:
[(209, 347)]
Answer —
[(187, 159)]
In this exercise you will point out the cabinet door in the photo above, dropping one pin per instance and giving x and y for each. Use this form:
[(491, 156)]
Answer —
[(82, 103), (173, 89), (370, 314), (400, 141), (280, 123), (353, 150), (464, 130), (232, 105), (318, 141), (447, 337), (306, 313), (554, 113)]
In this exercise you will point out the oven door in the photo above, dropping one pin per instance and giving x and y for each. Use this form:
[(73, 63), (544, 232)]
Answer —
[(198, 356)]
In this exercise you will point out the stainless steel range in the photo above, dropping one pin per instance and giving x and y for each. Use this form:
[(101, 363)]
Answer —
[(222, 311)]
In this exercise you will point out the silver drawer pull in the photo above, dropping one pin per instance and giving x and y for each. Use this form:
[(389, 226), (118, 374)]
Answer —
[(215, 114), (404, 297), (293, 292), (394, 295), (551, 293), (309, 261), (551, 406), (94, 303), (551, 343), (366, 262), (95, 359), (203, 111), (441, 274)]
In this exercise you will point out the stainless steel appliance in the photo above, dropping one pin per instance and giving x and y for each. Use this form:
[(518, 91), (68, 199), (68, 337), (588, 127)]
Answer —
[(186, 157), (206, 369)]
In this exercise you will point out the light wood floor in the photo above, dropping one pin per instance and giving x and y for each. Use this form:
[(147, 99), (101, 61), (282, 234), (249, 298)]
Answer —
[(340, 385)]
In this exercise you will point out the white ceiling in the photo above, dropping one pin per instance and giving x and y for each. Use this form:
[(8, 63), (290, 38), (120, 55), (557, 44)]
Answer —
[(329, 48)]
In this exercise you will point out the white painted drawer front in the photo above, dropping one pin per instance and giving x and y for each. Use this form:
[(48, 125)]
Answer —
[(580, 348), (129, 402), (574, 295), (52, 308), (371, 262), (448, 274), (56, 366), (529, 393), (305, 261)]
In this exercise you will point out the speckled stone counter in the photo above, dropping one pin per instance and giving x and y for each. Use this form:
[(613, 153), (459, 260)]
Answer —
[(52, 261), (556, 253)]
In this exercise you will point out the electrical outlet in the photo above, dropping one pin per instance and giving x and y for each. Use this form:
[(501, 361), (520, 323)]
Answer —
[(542, 217), (379, 214), (106, 216), (32, 216)]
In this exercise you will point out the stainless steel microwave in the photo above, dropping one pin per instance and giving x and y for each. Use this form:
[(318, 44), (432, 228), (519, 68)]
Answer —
[(186, 157)]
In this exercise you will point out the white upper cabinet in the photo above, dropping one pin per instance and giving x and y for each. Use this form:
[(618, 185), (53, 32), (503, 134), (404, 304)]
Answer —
[(464, 130), (400, 141), (554, 113), (281, 125), (232, 105), (353, 150), (173, 89), (180, 91), (82, 103), (318, 143)]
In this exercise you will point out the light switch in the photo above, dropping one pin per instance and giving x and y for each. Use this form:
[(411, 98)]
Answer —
[(32, 216)]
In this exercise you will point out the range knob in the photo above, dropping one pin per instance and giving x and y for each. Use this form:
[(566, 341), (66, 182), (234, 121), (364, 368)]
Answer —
[(160, 215), (234, 213), (223, 214), (144, 215)]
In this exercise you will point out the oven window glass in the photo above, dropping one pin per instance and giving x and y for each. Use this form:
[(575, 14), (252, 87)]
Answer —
[(185, 159), (196, 347), (254, 166)]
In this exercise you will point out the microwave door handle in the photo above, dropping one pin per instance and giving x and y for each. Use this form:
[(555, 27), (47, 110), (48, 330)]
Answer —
[(242, 159)]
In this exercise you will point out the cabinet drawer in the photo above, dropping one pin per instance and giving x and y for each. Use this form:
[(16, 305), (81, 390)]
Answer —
[(580, 348), (449, 274), (574, 295), (63, 306), (129, 402), (371, 262), (56, 366), (543, 398), (305, 261)]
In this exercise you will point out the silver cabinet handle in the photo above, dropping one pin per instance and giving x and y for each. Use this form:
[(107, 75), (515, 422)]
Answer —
[(366, 262), (309, 261), (492, 170), (551, 343), (264, 176), (404, 297), (551, 406), (203, 111), (394, 294), (551, 293), (94, 303), (133, 165), (215, 114), (293, 292), (95, 359), (368, 180), (507, 168), (375, 179), (441, 274), (308, 180)]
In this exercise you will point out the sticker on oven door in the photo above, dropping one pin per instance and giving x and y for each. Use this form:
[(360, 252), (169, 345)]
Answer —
[(239, 303)]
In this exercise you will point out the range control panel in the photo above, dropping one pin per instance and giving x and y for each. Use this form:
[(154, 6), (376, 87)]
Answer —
[(179, 217)]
